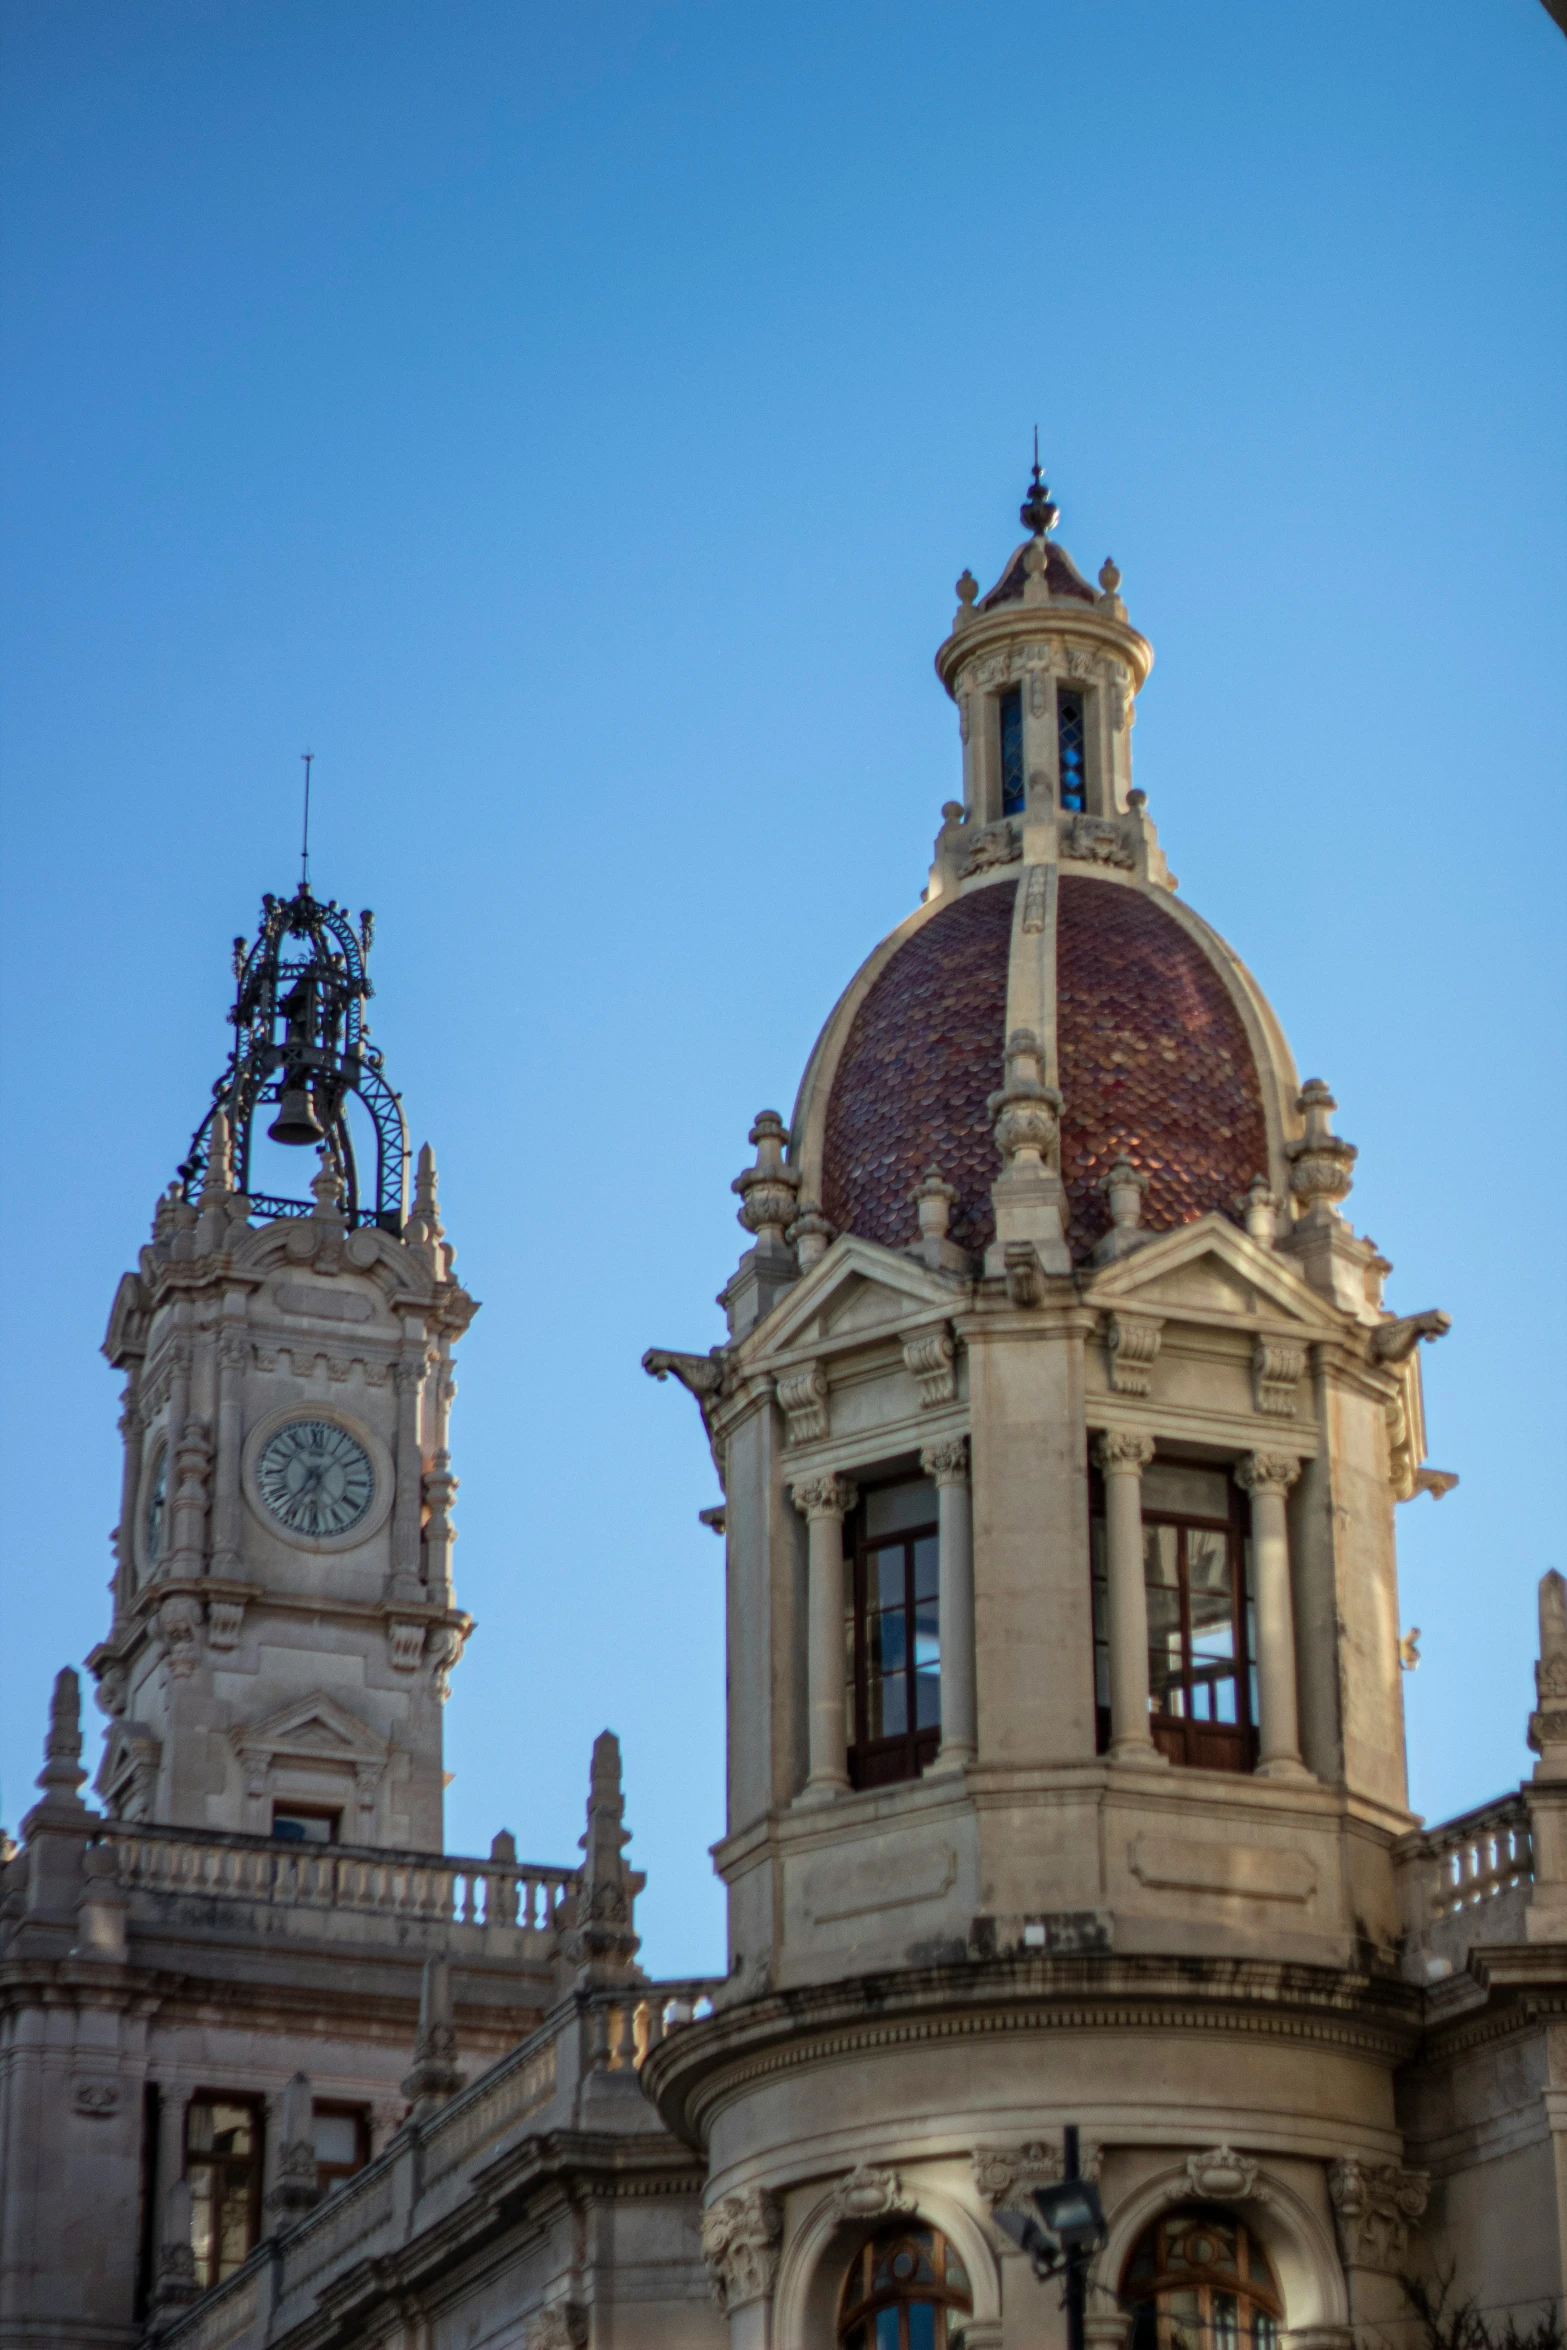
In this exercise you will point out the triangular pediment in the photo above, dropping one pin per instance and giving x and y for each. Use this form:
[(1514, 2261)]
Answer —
[(1211, 1268), (129, 1745), (859, 1287), (315, 1726)]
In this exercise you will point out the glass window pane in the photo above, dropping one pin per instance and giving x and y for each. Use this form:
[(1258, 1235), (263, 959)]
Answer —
[(927, 1701), (890, 1641), (1069, 739), (1212, 1605), (887, 2329), (889, 1509), (922, 2325), (1012, 752), (893, 1697), (1185, 1491), (1166, 1649), (884, 1577), (336, 2137), (927, 1567)]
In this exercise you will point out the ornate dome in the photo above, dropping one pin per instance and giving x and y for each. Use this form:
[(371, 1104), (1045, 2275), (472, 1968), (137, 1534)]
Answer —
[(1154, 1062)]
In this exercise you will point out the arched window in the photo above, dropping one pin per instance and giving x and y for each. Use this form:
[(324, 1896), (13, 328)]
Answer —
[(906, 2286), (1199, 2280)]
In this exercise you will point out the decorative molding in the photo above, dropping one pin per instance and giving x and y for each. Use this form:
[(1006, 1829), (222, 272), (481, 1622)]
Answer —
[(405, 1646), (741, 2238), (928, 1357), (946, 1464), (1131, 1348), (1007, 2176), (1096, 840), (1123, 1448), (802, 1398), (868, 2192), (1034, 901), (1267, 1472), (829, 1496), (97, 2095), (1223, 2176), (179, 1630), (994, 844), (1376, 2205), (225, 1620), (1275, 1374)]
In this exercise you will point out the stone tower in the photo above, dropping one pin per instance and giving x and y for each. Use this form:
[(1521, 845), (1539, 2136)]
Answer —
[(284, 1622)]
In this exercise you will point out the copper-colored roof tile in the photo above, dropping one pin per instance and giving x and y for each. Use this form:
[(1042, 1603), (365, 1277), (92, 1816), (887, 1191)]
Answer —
[(1154, 1060), (924, 1053)]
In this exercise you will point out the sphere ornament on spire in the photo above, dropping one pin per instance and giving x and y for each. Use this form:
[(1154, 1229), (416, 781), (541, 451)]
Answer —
[(301, 1043)]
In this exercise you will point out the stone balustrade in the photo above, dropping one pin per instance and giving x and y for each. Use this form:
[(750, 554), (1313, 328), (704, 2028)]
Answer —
[(1465, 1881), (624, 2028), (434, 1888)]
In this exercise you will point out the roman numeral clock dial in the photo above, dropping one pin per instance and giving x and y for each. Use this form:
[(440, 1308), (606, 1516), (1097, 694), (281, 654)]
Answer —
[(315, 1479)]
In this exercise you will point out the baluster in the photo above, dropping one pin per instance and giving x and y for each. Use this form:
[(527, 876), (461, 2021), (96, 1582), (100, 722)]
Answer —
[(626, 2043), (598, 2039), (655, 2027)]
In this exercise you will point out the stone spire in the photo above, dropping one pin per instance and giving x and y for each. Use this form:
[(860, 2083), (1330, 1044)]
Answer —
[(435, 2076), (603, 1942), (1548, 1722), (62, 1774), (298, 2181)]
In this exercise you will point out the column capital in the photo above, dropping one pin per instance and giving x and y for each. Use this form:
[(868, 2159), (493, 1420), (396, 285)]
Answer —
[(1123, 1451), (1267, 1472), (946, 1463), (830, 1496)]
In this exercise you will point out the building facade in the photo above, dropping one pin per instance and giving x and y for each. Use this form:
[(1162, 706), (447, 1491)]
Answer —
[(1061, 1428)]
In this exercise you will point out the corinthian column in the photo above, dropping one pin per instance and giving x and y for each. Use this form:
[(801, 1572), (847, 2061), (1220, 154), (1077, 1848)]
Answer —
[(948, 1464), (1267, 1477), (824, 1503), (1122, 1456)]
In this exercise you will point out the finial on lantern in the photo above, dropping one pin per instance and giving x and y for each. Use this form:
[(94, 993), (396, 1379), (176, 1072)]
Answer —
[(1038, 512)]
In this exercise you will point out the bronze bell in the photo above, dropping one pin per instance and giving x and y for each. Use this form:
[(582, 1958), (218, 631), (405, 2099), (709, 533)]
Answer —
[(296, 1118)]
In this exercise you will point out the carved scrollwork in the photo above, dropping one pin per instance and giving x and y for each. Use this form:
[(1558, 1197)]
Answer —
[(802, 1398), (1267, 1472), (1096, 840), (824, 1497), (928, 1358), (946, 1464), (1376, 2204), (1223, 2176), (1131, 1348), (741, 2234), (1275, 1375), (868, 2192), (994, 844)]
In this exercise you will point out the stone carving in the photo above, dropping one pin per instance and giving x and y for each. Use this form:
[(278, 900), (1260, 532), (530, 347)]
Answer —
[(1321, 1161), (802, 1398), (810, 1235), (1258, 1206), (563, 2326), (405, 1646), (112, 1694), (1267, 1472), (1096, 840), (1118, 687), (1026, 1111), (741, 2234), (928, 1358), (1548, 1723), (1007, 2176), (1034, 901), (225, 1618), (1275, 1377), (98, 2095), (1223, 2176), (1131, 1347), (768, 1190), (1376, 2203), (946, 1464), (1024, 1273), (702, 1377), (824, 1497), (1395, 1341), (1123, 1448), (179, 1626), (1038, 688), (995, 844), (868, 2193)]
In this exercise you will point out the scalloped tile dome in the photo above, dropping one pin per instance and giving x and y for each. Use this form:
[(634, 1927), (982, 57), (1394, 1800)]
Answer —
[(1154, 1061)]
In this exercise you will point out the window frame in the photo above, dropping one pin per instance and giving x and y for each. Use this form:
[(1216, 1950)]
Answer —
[(907, 1754), (1188, 1743), (1084, 697), (1156, 2329), (1011, 696), (307, 1811), (332, 2174), (246, 2101), (950, 2299)]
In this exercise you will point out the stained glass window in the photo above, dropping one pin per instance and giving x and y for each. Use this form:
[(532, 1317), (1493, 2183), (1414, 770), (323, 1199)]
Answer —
[(1070, 739), (1012, 752), (1199, 2280), (906, 2290)]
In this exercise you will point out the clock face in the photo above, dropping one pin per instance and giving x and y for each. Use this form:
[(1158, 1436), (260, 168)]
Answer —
[(315, 1479), (153, 1514)]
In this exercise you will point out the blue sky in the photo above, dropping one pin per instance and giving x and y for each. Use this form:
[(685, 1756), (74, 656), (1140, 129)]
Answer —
[(569, 424)]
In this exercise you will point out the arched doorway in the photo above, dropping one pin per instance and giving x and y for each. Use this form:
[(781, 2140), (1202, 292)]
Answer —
[(905, 2287), (1198, 2279)]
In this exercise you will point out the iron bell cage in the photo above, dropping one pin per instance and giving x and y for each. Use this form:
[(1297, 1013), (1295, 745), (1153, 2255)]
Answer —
[(300, 1042)]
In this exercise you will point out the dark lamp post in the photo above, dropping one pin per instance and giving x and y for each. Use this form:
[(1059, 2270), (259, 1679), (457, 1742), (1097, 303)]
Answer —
[(1069, 2231)]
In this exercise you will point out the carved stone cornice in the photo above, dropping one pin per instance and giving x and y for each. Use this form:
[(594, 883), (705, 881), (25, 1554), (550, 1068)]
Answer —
[(1275, 1377), (1376, 2204), (1131, 1348), (741, 2237), (802, 1398), (928, 1357)]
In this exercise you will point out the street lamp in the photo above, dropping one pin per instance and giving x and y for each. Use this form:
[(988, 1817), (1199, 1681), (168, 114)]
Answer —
[(1068, 2232)]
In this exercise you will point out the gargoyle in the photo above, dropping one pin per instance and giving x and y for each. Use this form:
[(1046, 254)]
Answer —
[(1395, 1342), (701, 1376)]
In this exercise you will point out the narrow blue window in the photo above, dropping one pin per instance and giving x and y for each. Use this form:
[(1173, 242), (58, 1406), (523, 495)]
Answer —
[(1012, 752), (1069, 736)]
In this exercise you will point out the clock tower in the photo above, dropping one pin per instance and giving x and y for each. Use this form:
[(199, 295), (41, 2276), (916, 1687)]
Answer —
[(284, 1619)]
